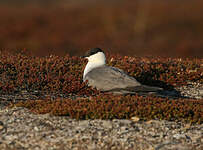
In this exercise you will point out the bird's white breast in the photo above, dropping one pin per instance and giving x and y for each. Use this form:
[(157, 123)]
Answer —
[(94, 61)]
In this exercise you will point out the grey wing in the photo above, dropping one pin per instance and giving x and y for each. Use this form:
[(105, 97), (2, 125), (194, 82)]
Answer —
[(106, 78)]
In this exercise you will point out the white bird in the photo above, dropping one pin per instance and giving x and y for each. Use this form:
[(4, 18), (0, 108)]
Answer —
[(110, 79)]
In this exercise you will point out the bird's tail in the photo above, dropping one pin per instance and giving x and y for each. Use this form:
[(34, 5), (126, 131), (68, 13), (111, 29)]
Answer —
[(135, 89), (145, 88)]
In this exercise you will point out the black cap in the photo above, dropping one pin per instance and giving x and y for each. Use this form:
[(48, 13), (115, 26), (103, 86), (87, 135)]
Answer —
[(92, 52)]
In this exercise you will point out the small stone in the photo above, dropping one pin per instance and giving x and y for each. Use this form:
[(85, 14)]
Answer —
[(125, 121), (36, 128), (107, 124), (178, 136), (135, 119), (201, 92), (1, 127), (124, 128), (84, 123), (150, 121), (187, 126)]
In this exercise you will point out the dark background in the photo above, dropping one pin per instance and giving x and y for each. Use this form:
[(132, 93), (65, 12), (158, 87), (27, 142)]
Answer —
[(172, 28)]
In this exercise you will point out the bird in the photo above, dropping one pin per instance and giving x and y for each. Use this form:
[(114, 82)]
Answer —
[(111, 79)]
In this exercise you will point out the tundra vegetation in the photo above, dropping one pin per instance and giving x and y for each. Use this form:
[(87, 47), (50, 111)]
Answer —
[(40, 49), (63, 75)]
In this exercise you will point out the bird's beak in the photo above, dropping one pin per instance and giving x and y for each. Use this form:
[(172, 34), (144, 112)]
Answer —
[(84, 56)]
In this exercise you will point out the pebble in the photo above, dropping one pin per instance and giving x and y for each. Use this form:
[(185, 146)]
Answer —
[(36, 129), (46, 132), (135, 119), (192, 90), (201, 92), (107, 124)]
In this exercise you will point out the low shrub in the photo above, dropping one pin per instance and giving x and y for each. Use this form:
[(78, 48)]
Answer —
[(105, 106)]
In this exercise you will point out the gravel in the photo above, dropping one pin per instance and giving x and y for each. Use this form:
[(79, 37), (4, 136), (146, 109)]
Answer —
[(192, 90), (21, 129)]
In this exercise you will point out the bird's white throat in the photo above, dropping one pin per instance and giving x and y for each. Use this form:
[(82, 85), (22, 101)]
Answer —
[(94, 61)]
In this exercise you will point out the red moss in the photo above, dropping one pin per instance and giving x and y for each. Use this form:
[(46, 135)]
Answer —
[(120, 107), (64, 74)]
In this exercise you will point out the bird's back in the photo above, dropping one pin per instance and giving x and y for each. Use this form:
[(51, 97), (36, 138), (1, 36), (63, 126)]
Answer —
[(108, 78)]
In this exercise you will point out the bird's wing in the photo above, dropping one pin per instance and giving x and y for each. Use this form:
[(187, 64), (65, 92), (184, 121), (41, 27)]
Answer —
[(107, 78)]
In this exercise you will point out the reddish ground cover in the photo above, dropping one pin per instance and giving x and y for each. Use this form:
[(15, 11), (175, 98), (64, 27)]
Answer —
[(54, 74)]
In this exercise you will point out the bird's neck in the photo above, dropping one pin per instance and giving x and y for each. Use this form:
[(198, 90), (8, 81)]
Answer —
[(91, 65)]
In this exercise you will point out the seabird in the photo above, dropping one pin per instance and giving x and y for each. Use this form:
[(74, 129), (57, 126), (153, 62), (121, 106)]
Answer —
[(110, 79)]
